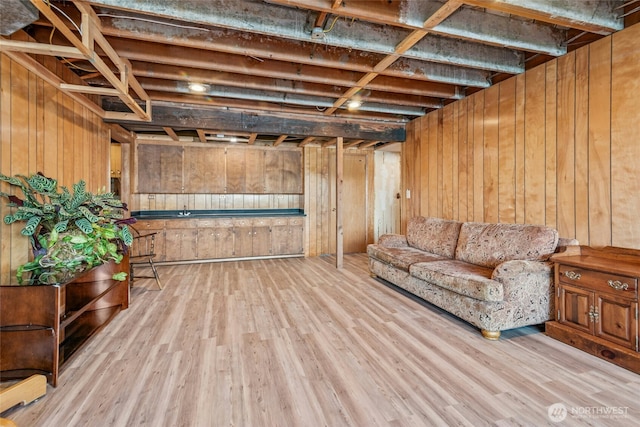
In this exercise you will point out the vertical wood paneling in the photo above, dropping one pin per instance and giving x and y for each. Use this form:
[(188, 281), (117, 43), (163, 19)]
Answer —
[(506, 153), (421, 133), (582, 146), (447, 159), (566, 145), (550, 177), (555, 145), (600, 142), (432, 166), (534, 150), (625, 129), (43, 130), (463, 163), (491, 159), (519, 161), (478, 157)]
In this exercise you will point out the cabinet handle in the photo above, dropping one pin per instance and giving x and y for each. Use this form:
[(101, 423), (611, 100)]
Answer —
[(572, 275), (593, 314), (618, 285)]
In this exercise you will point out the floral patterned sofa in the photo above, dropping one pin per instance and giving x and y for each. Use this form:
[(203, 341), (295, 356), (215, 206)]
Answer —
[(494, 276)]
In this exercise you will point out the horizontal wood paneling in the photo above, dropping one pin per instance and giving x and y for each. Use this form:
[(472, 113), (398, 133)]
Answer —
[(555, 145), (43, 130)]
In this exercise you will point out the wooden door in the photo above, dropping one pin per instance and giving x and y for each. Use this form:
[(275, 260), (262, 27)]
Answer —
[(354, 220), (204, 170), (575, 306)]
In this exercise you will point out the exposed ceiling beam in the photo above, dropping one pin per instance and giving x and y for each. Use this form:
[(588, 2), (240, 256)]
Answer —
[(359, 35), (202, 136), (467, 23), (171, 133), (256, 45), (280, 140), (307, 140), (188, 117), (594, 16), (252, 138)]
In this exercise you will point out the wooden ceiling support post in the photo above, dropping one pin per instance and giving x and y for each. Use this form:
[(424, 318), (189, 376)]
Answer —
[(339, 178)]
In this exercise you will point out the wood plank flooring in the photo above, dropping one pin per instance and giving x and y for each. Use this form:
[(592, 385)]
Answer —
[(295, 342)]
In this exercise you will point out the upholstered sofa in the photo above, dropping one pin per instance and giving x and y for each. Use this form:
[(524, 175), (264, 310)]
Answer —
[(494, 276)]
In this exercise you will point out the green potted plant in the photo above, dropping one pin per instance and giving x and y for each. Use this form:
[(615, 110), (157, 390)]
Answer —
[(69, 231)]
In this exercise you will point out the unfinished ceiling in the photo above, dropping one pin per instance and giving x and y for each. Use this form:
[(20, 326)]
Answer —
[(277, 71)]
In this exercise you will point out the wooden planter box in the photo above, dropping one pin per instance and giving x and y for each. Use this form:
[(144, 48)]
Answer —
[(42, 326)]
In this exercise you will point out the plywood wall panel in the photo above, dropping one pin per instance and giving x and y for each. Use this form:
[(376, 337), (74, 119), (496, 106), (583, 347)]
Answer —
[(445, 182), (421, 131), (582, 145), (534, 149), (506, 153), (565, 188), (478, 157), (550, 159), (43, 130), (491, 154), (566, 145), (625, 131), (600, 142)]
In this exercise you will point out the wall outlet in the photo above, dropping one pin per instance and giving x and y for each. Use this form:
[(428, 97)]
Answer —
[(408, 193), (222, 196), (152, 196)]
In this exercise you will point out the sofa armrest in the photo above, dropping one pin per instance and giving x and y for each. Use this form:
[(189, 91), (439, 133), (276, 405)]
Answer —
[(393, 241), (520, 278)]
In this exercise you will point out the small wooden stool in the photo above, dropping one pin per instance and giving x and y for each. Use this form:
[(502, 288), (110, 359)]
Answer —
[(23, 392)]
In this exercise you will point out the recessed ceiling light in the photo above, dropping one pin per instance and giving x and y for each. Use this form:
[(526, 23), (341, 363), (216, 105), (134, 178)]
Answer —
[(197, 87)]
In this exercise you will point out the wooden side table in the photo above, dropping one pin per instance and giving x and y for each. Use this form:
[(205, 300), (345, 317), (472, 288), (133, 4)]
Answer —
[(596, 300)]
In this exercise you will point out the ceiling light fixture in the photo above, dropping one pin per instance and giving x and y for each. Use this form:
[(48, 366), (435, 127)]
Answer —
[(197, 87), (354, 104)]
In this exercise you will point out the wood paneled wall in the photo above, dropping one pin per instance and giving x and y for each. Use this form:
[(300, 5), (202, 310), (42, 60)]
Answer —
[(43, 130), (556, 145)]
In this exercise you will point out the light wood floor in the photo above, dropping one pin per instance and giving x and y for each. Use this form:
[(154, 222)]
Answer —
[(295, 342)]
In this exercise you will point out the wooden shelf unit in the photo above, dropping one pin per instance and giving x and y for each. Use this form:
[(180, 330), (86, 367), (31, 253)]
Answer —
[(43, 326), (597, 303)]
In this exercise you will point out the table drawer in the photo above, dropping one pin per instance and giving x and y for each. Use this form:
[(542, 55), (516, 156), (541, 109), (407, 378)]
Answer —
[(599, 281)]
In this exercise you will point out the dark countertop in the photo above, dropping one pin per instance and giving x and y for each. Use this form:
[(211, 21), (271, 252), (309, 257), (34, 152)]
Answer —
[(226, 213)]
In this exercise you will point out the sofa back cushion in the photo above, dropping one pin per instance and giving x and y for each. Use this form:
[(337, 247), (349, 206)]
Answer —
[(435, 235), (491, 244)]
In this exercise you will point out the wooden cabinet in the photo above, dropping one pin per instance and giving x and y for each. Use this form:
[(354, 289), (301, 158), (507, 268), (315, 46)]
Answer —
[(597, 303), (43, 326), (215, 238), (202, 169), (185, 239), (287, 236), (159, 168), (181, 240)]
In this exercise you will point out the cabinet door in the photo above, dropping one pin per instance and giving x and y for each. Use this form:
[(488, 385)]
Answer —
[(575, 306), (243, 238), (206, 243), (273, 171), (204, 170), (261, 242), (236, 167), (159, 168), (224, 236), (254, 172), (292, 172), (180, 244), (296, 233), (616, 320)]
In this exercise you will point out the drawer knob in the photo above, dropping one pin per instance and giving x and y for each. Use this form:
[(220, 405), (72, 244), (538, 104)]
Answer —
[(572, 275), (618, 285)]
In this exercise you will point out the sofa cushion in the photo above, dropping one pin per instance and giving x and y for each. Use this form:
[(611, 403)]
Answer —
[(463, 278), (400, 258), (435, 235), (490, 244)]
